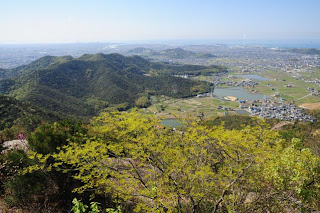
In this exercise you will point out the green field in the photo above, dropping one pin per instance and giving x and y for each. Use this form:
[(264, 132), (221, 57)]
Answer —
[(166, 107), (279, 81)]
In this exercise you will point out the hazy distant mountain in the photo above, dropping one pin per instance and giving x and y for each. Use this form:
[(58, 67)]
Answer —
[(44, 62), (307, 51), (142, 51), (83, 86), (2, 73), (175, 53)]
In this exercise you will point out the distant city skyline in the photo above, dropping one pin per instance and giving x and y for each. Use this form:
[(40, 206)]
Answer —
[(36, 21)]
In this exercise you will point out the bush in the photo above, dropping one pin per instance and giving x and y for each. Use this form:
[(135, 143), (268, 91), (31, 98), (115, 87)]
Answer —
[(47, 137)]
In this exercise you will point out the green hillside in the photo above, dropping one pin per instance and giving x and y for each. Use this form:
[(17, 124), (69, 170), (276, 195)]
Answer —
[(42, 63), (142, 51), (175, 53), (14, 112), (86, 85)]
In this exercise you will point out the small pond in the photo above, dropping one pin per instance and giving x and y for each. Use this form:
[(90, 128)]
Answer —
[(238, 92), (254, 77), (171, 122)]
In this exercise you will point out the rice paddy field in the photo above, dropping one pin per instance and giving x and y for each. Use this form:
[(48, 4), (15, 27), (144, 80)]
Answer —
[(165, 107), (277, 83)]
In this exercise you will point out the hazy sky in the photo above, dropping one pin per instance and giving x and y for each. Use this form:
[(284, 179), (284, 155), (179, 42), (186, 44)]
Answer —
[(38, 21)]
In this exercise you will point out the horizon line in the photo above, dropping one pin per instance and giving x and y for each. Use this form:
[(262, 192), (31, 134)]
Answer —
[(155, 40)]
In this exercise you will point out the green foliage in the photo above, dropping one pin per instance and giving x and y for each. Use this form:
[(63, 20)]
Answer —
[(95, 208), (111, 210), (19, 189), (10, 165), (296, 173), (308, 133), (84, 86), (175, 53), (47, 137), (187, 69), (10, 133), (78, 206), (46, 190), (234, 121), (21, 115), (142, 101), (199, 169)]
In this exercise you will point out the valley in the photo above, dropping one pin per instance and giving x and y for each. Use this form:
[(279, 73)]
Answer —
[(236, 79), (139, 106), (173, 103)]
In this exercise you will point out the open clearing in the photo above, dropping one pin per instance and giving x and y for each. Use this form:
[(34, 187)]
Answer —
[(312, 106), (166, 107)]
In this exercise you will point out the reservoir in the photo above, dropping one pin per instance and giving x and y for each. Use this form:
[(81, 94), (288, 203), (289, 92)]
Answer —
[(173, 123), (254, 77), (238, 92)]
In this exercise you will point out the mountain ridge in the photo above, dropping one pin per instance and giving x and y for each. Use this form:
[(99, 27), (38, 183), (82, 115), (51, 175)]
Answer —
[(173, 53), (86, 85)]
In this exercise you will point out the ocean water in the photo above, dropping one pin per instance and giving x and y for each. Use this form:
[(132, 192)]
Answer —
[(280, 43), (289, 43)]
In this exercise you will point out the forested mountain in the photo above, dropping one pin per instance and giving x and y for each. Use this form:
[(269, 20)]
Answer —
[(142, 51), (175, 53), (180, 53), (83, 86), (14, 112), (41, 63)]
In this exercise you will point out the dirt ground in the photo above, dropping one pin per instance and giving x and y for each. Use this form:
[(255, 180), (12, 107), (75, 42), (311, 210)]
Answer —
[(4, 209), (311, 106)]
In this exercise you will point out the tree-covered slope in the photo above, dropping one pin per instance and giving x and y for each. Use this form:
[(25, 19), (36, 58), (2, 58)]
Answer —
[(83, 86), (41, 63), (14, 112), (174, 53)]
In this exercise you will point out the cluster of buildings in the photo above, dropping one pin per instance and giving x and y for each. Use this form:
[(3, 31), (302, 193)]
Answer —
[(270, 109), (259, 59)]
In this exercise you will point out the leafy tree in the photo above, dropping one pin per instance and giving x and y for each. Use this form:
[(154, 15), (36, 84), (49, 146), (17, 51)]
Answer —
[(47, 137), (40, 191), (78, 206), (84, 86), (295, 173), (142, 101), (198, 169)]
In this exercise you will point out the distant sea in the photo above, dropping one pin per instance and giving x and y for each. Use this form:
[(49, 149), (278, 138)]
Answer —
[(277, 43), (284, 43)]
